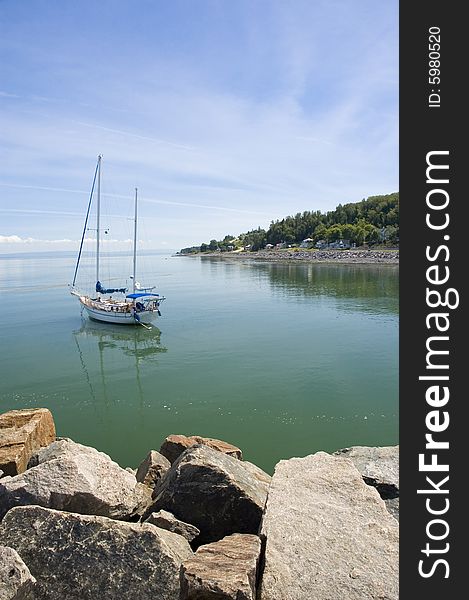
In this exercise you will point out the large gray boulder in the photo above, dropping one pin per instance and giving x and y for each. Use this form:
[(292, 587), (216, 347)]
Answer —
[(328, 534), (81, 557), (379, 467), (223, 570), (215, 492), (167, 520), (76, 478), (16, 581)]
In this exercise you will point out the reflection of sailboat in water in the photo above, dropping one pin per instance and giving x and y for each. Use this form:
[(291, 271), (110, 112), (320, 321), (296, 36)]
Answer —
[(143, 346)]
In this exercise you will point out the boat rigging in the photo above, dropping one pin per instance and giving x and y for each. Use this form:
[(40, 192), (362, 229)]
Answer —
[(141, 305)]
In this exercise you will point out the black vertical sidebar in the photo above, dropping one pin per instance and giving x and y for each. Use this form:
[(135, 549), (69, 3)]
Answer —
[(434, 350)]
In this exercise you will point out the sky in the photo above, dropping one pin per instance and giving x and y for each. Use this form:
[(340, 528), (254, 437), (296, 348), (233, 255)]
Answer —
[(226, 115)]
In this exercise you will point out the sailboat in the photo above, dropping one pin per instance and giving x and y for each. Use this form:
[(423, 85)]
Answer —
[(141, 305)]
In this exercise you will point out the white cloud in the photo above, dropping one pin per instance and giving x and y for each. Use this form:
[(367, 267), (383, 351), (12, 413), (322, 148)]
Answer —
[(14, 239), (116, 196), (133, 135)]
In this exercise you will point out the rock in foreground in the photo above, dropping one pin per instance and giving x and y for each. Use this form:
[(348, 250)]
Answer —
[(166, 520), (23, 432), (152, 469), (76, 478), (16, 582), (379, 467), (81, 557), (224, 570), (174, 446), (329, 535), (217, 493)]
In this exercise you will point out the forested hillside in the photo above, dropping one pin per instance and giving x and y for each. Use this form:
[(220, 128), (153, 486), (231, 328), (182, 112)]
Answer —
[(371, 221)]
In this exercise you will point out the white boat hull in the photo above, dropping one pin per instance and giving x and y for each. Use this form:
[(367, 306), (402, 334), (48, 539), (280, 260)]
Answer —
[(120, 318)]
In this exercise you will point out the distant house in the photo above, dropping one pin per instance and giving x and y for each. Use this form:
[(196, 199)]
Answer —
[(342, 244), (338, 244), (307, 243)]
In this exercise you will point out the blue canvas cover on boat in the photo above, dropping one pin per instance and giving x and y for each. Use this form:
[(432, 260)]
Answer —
[(141, 294), (101, 290)]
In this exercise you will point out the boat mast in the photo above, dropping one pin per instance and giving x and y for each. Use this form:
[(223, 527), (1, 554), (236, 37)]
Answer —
[(86, 223), (98, 216), (135, 245)]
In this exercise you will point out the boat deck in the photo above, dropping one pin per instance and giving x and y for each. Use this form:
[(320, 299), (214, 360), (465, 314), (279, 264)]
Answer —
[(108, 304)]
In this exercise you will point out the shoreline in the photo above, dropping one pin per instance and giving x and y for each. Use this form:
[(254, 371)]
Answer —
[(382, 257)]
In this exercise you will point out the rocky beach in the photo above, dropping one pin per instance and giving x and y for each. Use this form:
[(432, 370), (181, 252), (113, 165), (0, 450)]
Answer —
[(358, 256), (193, 521)]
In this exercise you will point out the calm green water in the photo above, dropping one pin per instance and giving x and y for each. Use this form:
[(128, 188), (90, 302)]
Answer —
[(281, 360)]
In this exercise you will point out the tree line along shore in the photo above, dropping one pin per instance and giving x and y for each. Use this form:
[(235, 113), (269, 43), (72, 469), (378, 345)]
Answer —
[(370, 223)]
